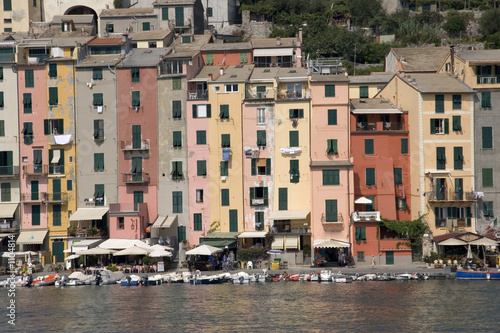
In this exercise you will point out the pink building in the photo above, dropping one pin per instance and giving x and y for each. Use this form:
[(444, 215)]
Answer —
[(227, 54), (331, 166)]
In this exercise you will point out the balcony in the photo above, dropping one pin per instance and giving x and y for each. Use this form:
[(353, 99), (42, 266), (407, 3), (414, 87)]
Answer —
[(194, 95), (379, 126), (138, 178), (338, 221), (9, 171), (90, 232), (135, 146), (448, 195), (7, 58), (9, 226), (36, 170), (55, 197), (483, 79), (260, 95), (294, 95), (366, 217), (289, 227), (127, 209), (35, 198)]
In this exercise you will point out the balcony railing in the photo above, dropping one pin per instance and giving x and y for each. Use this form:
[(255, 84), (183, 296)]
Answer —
[(254, 95), (339, 220), (257, 202), (36, 169), (130, 146), (9, 226), (487, 79), (31, 197), (9, 171), (138, 178), (55, 197), (294, 95), (278, 228), (449, 195), (197, 95), (7, 58), (366, 216)]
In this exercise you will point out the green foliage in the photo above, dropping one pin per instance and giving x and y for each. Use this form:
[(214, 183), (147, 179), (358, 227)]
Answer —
[(251, 254), (493, 41), (214, 226), (71, 231), (118, 3), (413, 229), (411, 32), (489, 23), (455, 24), (362, 11), (112, 267), (146, 260)]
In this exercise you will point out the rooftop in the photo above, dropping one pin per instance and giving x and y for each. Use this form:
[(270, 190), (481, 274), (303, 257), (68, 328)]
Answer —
[(103, 60), (380, 77), (436, 83), (329, 78), (77, 19), (150, 35), (290, 73), (144, 57), (205, 73), (226, 46), (264, 74), (374, 105), (238, 73), (173, 2), (479, 55), (197, 41), (268, 43), (70, 41), (421, 59), (107, 41), (127, 12)]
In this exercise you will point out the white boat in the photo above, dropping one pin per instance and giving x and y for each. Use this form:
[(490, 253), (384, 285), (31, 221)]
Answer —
[(240, 278), (341, 278), (367, 277), (325, 276), (155, 280)]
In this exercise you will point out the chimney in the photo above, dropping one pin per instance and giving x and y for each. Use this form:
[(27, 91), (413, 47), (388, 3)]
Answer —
[(221, 71), (300, 35), (452, 57), (278, 41), (210, 77)]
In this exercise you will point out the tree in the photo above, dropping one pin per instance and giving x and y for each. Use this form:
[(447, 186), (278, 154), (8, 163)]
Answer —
[(118, 3), (489, 23), (362, 11), (455, 24)]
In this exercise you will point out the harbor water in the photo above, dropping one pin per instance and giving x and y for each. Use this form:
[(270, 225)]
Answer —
[(416, 306)]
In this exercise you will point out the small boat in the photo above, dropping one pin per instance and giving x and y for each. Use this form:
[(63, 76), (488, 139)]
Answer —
[(313, 277), (477, 275), (325, 276), (131, 280), (155, 280), (240, 278), (18, 281), (208, 279), (384, 277), (341, 278), (402, 277), (47, 280), (259, 277)]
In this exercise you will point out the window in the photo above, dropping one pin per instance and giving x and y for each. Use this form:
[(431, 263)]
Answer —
[(404, 146), (177, 170), (401, 203), (370, 176), (35, 195), (27, 104), (52, 71), (181, 233), (179, 16), (176, 109), (331, 211), (2, 101), (5, 188), (98, 161), (440, 126), (201, 137), (439, 101), (177, 139), (457, 102), (261, 116), (134, 73), (99, 194), (398, 176), (35, 215), (98, 129), (29, 78), (224, 168), (459, 188), (202, 111), (197, 225), (369, 150), (164, 13), (261, 166), (458, 158), (176, 83), (243, 57), (53, 126), (331, 177), (488, 209), (296, 113), (225, 140), (331, 147), (457, 123), (363, 92), (332, 117), (224, 197), (294, 171), (7, 5), (201, 168), (487, 137), (136, 98), (136, 169), (69, 185), (6, 163), (28, 133), (121, 222), (259, 196), (329, 90), (261, 138), (360, 234), (231, 88), (209, 58), (199, 195), (233, 220), (224, 111), (486, 99), (283, 198), (97, 73), (294, 138), (487, 174), (259, 221), (210, 12), (440, 215), (138, 199), (361, 256), (2, 128), (110, 27), (176, 202), (98, 99), (53, 96), (146, 26), (1, 73), (440, 158)]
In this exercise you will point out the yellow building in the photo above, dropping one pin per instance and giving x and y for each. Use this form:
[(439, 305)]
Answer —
[(226, 94), (441, 147), (17, 14), (367, 86)]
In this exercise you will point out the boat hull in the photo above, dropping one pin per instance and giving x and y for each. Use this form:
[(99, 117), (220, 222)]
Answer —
[(477, 275)]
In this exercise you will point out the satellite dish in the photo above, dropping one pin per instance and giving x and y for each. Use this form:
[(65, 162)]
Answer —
[(497, 234)]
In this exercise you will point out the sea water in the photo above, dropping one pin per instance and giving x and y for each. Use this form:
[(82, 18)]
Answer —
[(409, 306)]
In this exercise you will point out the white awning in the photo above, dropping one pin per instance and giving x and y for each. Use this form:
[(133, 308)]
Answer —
[(277, 243), (285, 51), (85, 244), (89, 214), (376, 111), (32, 236), (291, 242), (73, 256), (7, 210), (159, 221), (56, 156), (164, 222), (331, 243), (253, 234), (289, 215), (120, 243)]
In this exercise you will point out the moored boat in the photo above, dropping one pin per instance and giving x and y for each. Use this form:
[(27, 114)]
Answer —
[(47, 280), (477, 275)]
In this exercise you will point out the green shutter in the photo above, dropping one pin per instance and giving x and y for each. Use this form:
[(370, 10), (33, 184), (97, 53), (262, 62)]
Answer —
[(27, 104), (179, 16), (439, 100), (177, 139), (97, 73), (370, 176), (56, 189), (369, 150), (329, 90), (176, 202), (440, 158), (332, 117), (164, 13), (294, 138), (459, 188), (224, 197), (331, 211), (283, 198), (146, 26), (53, 96), (56, 216), (224, 111), (266, 196), (60, 126), (209, 110), (458, 158), (294, 171), (35, 215), (486, 99), (195, 114), (457, 123), (99, 161), (136, 98), (136, 136), (469, 216), (29, 78), (134, 71), (2, 127), (433, 126), (201, 137), (331, 177), (398, 176), (98, 99), (253, 167), (197, 224), (261, 138), (446, 126), (1, 73), (201, 168), (487, 177), (268, 166), (181, 233), (225, 140), (457, 102), (177, 109), (69, 185), (209, 58), (138, 198), (34, 190), (176, 83), (243, 57), (363, 92), (7, 5), (404, 146), (233, 220), (487, 137), (52, 70), (46, 127), (5, 192), (2, 101), (98, 128), (252, 195), (224, 168)]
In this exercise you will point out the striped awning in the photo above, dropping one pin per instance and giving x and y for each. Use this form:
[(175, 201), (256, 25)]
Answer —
[(289, 215), (7, 210), (253, 234), (32, 236), (277, 243), (89, 214), (286, 51), (291, 242), (331, 243)]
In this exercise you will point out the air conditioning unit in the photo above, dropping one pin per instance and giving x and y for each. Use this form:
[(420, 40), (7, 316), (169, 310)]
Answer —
[(32, 60)]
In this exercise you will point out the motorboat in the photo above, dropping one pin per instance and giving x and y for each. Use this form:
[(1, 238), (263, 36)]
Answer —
[(477, 275), (341, 278), (46, 280), (240, 278), (208, 279), (325, 276), (131, 280), (155, 280), (313, 277)]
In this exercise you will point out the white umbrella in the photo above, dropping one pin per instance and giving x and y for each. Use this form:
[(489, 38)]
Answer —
[(162, 247), (203, 250), (363, 200), (160, 253), (452, 242), (73, 256), (133, 251), (95, 251)]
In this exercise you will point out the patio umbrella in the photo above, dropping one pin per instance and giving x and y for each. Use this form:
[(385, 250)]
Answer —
[(73, 256), (133, 251), (160, 253), (203, 250), (275, 252), (363, 200), (162, 247), (96, 251), (452, 242)]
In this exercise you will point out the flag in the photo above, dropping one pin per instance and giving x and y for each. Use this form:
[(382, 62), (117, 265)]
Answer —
[(492, 224)]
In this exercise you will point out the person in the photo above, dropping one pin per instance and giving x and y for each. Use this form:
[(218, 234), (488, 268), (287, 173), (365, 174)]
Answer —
[(373, 262)]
